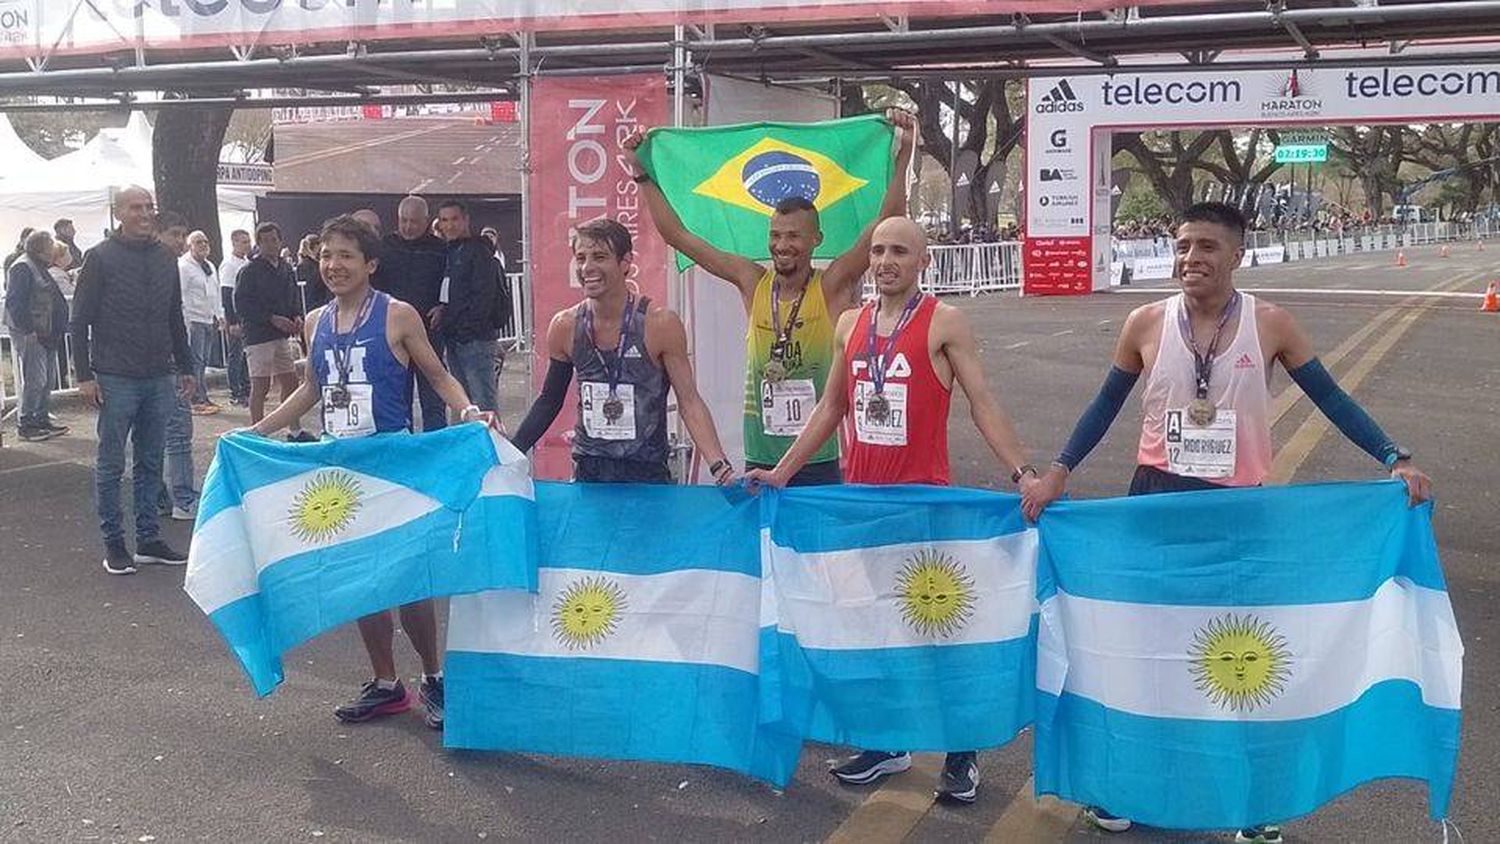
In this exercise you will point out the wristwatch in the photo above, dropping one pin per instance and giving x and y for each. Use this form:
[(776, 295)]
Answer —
[(718, 466), (1396, 455), (1015, 477), (474, 409)]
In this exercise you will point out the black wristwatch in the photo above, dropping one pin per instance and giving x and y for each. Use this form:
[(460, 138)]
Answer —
[(1015, 477), (1396, 455), (718, 466)]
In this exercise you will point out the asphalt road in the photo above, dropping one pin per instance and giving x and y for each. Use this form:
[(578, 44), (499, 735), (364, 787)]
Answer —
[(123, 719), (408, 155)]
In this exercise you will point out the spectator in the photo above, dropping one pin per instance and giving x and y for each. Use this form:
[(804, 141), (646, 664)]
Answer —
[(127, 331), (234, 345), (64, 231), (265, 299), (369, 218), (37, 315), (20, 249), (468, 307), (203, 310), (63, 268), (314, 292), (411, 268), (178, 493)]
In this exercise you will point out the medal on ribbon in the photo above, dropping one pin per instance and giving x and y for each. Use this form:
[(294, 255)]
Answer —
[(877, 406), (775, 370), (1201, 411), (613, 407), (342, 346)]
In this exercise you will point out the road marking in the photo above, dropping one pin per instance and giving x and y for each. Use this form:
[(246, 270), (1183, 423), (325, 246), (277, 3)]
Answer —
[(320, 155), (457, 161), (1105, 321), (1062, 333), (890, 813), (1028, 819), (421, 186), (1019, 345), (14, 469)]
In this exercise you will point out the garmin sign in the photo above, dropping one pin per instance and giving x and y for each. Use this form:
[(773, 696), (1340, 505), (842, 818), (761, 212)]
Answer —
[(1070, 120)]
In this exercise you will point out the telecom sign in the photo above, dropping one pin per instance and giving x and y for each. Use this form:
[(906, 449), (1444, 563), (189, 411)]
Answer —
[(1301, 153)]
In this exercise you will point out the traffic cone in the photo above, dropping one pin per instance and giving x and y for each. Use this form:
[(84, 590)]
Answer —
[(1400, 257), (1444, 252), (1491, 300)]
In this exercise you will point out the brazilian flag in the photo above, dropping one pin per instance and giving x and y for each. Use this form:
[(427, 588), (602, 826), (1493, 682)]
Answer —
[(724, 181)]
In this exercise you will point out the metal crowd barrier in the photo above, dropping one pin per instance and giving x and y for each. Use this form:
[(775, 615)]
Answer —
[(1307, 245), (968, 268)]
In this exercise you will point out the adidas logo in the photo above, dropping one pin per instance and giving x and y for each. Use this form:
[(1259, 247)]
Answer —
[(1060, 99), (632, 352), (1245, 362)]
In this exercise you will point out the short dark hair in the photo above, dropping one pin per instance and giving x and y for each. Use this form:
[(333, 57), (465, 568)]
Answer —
[(794, 204), (266, 228), (237, 233), (605, 230), (61, 221), (346, 225), (38, 246), (1221, 213), (453, 203), (170, 220)]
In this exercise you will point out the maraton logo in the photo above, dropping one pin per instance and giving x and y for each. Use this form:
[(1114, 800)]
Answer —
[(1292, 96), (1060, 99)]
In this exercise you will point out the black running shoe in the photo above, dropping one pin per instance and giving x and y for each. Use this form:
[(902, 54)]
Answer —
[(33, 434), (58, 430), (374, 702), (157, 551), (870, 766), (1264, 834), (430, 695), (959, 782), (117, 559), (301, 437)]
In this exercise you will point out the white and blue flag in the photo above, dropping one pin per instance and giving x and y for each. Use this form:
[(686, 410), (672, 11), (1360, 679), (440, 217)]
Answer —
[(294, 540), (1239, 657), (905, 615), (642, 642)]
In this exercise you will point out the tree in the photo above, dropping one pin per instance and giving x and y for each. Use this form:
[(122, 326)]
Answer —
[(1375, 154), (1464, 148), (1243, 169), (185, 155), (53, 133), (1167, 160)]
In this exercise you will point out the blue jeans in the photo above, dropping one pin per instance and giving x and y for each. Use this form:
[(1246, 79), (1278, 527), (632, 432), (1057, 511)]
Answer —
[(38, 375), (476, 364), (235, 368), (137, 409), (201, 336), (434, 409), (177, 487)]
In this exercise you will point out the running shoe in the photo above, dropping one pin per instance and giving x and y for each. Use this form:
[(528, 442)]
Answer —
[(301, 437), (1104, 820), (959, 782), (33, 434), (1264, 834), (157, 551), (870, 766), (374, 702), (182, 514), (205, 409), (430, 695), (57, 430), (117, 559)]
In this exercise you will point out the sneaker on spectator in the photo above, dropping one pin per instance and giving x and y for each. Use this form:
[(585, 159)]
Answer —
[(56, 429), (182, 514), (430, 694), (374, 702), (117, 559), (157, 551), (33, 434), (959, 782), (301, 437)]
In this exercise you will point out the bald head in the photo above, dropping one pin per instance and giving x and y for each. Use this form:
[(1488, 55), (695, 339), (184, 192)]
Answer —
[(368, 217), (136, 211), (898, 256), (412, 217)]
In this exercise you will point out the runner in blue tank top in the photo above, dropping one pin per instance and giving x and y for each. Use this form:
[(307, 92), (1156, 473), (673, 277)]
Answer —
[(364, 346)]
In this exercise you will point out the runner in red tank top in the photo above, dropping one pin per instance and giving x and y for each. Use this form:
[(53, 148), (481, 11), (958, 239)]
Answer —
[(895, 419)]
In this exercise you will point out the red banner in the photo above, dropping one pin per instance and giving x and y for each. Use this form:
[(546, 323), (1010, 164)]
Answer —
[(1056, 266), (578, 174)]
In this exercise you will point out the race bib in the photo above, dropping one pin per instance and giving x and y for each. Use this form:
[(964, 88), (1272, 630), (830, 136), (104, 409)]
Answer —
[(592, 396), (1200, 452), (889, 431), (355, 420), (786, 405)]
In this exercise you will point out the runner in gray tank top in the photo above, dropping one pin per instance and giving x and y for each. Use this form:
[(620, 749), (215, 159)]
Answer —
[(626, 353)]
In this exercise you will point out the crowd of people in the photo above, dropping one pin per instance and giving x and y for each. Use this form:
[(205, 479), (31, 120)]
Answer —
[(819, 361)]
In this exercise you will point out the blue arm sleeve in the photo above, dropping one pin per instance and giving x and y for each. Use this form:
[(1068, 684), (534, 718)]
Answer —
[(1342, 410), (1098, 416), (547, 405)]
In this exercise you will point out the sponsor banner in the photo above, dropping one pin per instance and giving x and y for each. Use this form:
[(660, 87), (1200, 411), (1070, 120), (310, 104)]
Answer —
[(578, 174), (1270, 255), (1116, 273), (1153, 267), (1057, 266), (255, 175)]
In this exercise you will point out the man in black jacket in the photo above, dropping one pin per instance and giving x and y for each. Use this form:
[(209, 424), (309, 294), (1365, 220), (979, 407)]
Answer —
[(412, 262), (270, 313), (467, 307), (127, 333)]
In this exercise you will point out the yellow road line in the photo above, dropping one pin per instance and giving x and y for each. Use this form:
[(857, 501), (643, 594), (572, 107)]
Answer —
[(890, 813), (1028, 820)]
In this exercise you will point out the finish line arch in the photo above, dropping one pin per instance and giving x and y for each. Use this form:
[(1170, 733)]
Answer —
[(1070, 121)]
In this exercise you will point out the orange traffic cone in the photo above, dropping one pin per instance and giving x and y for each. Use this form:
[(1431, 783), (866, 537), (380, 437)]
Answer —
[(1444, 252), (1400, 257), (1491, 302)]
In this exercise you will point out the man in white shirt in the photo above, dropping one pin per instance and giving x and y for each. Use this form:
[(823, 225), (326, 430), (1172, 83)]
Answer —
[(202, 310), (234, 346)]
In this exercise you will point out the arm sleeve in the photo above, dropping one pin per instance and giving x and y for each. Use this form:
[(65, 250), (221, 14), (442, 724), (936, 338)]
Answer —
[(544, 410), (1098, 416), (85, 308), (1342, 410), (18, 297)]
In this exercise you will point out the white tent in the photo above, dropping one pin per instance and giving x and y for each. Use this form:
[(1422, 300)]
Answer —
[(15, 155), (81, 184)]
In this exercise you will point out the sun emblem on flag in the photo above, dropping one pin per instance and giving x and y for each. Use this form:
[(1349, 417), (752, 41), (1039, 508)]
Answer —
[(325, 506), (771, 170), (1240, 662), (587, 612), (936, 594)]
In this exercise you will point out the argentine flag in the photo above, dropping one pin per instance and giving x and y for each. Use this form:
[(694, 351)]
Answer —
[(1219, 659), (642, 642), (905, 614), (293, 540)]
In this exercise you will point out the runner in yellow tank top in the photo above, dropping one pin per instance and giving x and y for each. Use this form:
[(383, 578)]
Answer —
[(787, 354)]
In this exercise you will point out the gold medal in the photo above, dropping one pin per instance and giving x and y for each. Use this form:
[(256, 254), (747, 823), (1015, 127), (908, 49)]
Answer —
[(775, 371), (878, 409), (1201, 412)]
